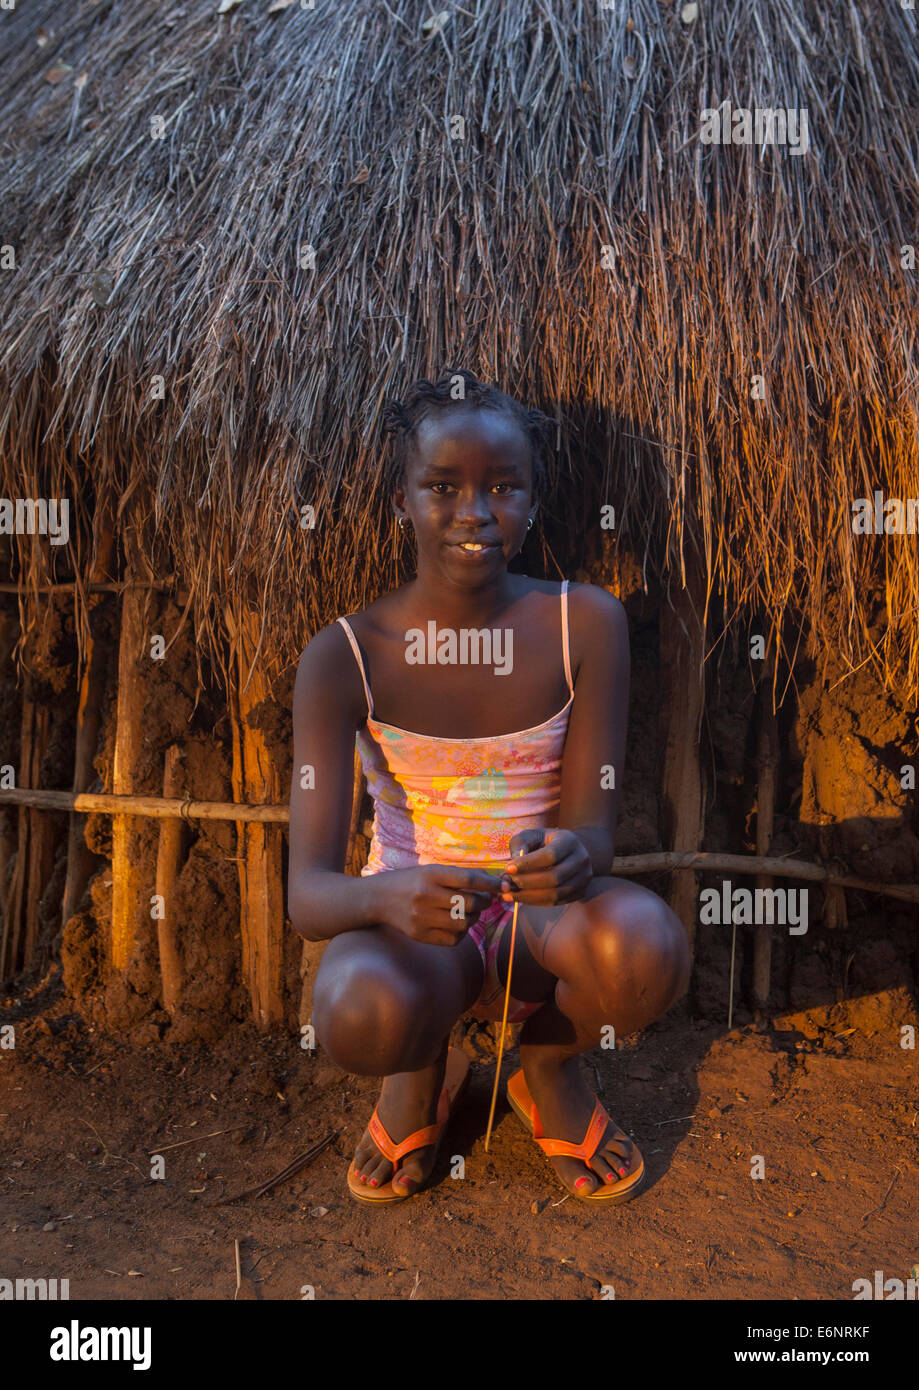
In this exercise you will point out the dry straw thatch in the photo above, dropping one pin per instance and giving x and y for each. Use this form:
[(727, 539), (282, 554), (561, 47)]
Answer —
[(329, 127)]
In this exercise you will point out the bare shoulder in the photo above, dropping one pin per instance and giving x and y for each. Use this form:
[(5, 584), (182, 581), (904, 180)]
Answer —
[(598, 622), (327, 672), (589, 603)]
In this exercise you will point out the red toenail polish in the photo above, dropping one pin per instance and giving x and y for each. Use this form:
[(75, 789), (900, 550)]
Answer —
[(581, 1181), (610, 1177), (622, 1172), (373, 1182)]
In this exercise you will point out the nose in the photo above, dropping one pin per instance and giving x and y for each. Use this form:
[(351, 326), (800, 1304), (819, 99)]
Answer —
[(473, 506)]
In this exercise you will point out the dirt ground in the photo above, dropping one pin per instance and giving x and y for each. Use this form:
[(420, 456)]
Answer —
[(827, 1098)]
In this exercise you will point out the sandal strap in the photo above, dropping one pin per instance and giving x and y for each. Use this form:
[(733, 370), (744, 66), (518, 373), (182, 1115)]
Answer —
[(559, 1148), (419, 1140)]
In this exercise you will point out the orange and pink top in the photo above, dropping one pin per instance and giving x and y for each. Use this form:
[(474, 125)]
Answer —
[(459, 800)]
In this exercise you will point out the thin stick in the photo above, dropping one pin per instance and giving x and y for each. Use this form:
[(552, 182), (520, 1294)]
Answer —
[(884, 1203), (196, 1138), (731, 986), (507, 999), (294, 1167)]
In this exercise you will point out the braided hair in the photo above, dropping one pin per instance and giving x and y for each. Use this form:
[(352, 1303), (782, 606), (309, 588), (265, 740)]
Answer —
[(423, 398)]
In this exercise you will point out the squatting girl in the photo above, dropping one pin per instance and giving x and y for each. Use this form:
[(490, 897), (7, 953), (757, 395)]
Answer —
[(487, 777)]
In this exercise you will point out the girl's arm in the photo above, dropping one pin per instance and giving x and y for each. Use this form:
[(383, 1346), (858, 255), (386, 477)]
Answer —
[(594, 756), (323, 900)]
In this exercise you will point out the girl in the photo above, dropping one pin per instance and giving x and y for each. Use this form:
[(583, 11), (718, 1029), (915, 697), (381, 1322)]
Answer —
[(489, 709)]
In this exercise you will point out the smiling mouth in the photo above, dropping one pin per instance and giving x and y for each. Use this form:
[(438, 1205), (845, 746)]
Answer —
[(476, 547)]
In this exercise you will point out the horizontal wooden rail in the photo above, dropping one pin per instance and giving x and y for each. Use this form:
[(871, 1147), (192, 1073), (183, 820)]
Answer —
[(67, 586), (159, 807), (703, 861)]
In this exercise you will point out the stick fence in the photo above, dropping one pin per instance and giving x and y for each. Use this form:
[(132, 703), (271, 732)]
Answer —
[(703, 861)]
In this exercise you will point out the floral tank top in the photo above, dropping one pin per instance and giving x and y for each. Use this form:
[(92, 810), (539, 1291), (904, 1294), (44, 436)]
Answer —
[(459, 800)]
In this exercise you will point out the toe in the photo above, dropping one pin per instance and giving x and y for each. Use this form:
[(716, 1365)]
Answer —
[(578, 1179), (604, 1170), (620, 1154), (365, 1154), (414, 1170), (585, 1183), (379, 1173), (406, 1180)]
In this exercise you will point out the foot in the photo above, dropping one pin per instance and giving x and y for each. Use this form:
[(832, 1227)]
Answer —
[(408, 1102), (565, 1104)]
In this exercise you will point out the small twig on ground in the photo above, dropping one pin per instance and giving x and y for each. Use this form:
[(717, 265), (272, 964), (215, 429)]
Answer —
[(108, 1153), (415, 1285), (164, 1148), (238, 1272), (294, 1167), (874, 1210)]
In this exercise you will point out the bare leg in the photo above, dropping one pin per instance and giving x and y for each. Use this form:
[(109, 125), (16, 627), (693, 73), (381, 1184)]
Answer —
[(619, 957), (384, 1005)]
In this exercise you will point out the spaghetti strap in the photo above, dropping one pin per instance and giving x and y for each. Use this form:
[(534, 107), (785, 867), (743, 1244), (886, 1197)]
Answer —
[(565, 651), (360, 663)]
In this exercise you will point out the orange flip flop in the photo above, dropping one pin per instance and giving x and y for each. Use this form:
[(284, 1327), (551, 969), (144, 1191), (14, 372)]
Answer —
[(456, 1075), (621, 1191)]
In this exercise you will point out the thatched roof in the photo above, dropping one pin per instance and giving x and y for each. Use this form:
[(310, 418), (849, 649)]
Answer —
[(287, 127)]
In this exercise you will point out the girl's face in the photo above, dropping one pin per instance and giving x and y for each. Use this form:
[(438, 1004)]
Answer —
[(468, 492)]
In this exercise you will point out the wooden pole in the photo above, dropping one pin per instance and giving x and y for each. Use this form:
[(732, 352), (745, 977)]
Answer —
[(767, 761), (146, 806), (34, 848), (9, 629), (170, 854), (80, 859), (12, 929), (256, 774), (41, 837), (127, 881), (682, 653)]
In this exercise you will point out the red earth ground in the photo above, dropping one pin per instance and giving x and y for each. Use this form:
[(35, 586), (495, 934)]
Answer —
[(827, 1098)]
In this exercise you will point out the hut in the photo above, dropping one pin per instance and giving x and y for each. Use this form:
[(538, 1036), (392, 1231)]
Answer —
[(230, 231)]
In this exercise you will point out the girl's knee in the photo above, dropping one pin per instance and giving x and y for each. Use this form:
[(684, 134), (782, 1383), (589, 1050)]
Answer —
[(636, 938), (366, 1014)]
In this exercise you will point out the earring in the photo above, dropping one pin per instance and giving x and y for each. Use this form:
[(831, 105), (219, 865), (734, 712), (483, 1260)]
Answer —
[(529, 523)]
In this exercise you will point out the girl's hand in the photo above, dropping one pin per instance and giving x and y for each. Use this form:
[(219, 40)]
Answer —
[(545, 867), (433, 903)]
